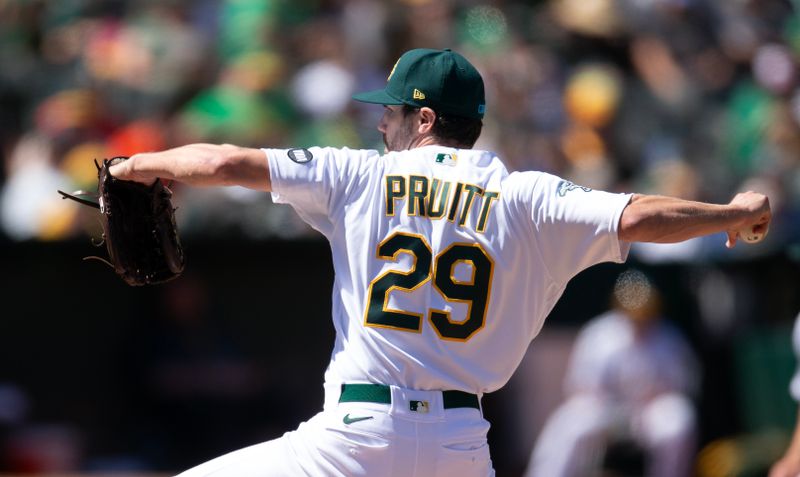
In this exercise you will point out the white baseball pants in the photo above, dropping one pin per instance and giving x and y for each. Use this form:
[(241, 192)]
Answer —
[(370, 439)]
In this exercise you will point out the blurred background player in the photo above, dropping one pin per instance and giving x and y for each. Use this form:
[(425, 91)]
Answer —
[(630, 378), (789, 464)]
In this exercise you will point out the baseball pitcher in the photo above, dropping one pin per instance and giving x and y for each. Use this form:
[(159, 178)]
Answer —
[(446, 266)]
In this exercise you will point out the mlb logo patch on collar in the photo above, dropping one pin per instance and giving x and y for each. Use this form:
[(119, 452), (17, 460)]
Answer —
[(446, 159)]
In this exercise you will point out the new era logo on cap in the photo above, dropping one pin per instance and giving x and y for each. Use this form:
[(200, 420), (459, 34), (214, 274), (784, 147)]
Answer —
[(418, 94)]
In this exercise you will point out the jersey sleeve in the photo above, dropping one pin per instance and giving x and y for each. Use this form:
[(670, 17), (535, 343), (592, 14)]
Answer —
[(317, 182), (575, 227)]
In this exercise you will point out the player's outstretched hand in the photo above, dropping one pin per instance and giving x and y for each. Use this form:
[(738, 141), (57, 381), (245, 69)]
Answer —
[(755, 217), (126, 171)]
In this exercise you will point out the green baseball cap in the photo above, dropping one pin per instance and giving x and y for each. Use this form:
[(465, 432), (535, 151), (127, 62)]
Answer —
[(442, 80)]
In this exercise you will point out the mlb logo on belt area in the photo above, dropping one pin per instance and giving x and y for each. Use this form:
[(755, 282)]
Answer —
[(419, 406)]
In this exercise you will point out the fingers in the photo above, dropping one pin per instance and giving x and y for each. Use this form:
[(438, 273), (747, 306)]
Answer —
[(121, 170), (755, 210), (733, 236), (116, 171), (125, 171), (761, 227)]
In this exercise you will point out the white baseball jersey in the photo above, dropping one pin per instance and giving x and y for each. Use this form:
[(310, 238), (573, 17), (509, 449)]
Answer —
[(445, 264), (609, 359)]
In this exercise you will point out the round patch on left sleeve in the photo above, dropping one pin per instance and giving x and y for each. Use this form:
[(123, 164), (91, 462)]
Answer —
[(300, 155)]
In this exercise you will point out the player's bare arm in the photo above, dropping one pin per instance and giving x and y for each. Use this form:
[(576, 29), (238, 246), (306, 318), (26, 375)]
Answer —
[(652, 218), (199, 165)]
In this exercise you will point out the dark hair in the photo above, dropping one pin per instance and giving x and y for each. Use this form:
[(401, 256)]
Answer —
[(453, 130)]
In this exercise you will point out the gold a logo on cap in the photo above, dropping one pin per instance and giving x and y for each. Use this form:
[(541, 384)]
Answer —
[(392, 72)]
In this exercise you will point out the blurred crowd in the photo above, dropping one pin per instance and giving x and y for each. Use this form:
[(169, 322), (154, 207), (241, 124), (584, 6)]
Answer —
[(692, 98)]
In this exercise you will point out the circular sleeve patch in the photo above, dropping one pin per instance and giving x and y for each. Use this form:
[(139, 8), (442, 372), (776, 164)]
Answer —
[(300, 155)]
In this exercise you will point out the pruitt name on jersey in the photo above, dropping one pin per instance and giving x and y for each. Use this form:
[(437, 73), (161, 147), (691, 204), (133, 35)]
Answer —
[(434, 198)]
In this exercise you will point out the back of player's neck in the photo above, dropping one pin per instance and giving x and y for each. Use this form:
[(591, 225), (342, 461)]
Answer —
[(430, 140)]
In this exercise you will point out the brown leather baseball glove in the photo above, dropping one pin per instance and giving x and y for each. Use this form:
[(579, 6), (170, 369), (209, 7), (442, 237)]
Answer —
[(138, 227)]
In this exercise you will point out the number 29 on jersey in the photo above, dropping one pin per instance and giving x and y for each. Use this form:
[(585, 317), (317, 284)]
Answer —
[(441, 269)]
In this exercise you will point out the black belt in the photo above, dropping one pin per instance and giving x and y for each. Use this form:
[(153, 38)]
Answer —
[(381, 394)]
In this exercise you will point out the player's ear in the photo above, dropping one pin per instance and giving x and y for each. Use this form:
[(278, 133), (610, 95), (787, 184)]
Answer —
[(427, 117)]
